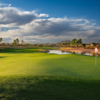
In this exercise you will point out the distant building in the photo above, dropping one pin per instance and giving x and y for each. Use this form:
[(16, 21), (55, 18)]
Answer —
[(87, 45), (80, 45), (92, 45)]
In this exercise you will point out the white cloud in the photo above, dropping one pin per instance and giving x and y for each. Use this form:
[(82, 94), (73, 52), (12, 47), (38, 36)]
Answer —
[(33, 27), (44, 15), (9, 5), (3, 5), (11, 15)]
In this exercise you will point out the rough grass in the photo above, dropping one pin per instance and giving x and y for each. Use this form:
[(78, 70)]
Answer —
[(40, 76)]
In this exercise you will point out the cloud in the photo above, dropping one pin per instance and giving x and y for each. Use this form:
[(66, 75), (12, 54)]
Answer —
[(33, 27), (9, 5), (44, 15), (11, 15), (3, 5), (55, 26)]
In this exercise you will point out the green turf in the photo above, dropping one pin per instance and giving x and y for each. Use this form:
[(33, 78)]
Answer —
[(49, 64), (23, 50), (48, 88), (41, 76)]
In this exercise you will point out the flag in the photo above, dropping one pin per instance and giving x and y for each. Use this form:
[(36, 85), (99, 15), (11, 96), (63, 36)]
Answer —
[(96, 49)]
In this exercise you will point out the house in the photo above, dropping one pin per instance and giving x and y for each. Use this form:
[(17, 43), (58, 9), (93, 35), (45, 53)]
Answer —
[(98, 44), (72, 45), (92, 45), (87, 45), (79, 45)]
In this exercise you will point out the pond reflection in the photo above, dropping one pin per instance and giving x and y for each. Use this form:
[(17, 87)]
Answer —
[(59, 52)]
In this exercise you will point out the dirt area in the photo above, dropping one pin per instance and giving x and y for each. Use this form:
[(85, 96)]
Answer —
[(81, 50)]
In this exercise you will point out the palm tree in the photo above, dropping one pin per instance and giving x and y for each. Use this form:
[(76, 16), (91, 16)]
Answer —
[(1, 40), (17, 40), (22, 42)]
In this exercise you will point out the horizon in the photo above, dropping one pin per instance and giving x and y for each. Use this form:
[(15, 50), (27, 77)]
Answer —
[(49, 42), (50, 21)]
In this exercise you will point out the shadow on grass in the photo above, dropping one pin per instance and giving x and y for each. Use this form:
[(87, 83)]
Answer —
[(23, 50), (48, 88), (2, 57), (12, 50)]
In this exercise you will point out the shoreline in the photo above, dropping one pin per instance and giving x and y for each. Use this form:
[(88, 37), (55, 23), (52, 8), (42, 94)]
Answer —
[(80, 50)]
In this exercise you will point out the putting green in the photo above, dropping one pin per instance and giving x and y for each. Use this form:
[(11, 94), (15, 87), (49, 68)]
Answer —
[(49, 64)]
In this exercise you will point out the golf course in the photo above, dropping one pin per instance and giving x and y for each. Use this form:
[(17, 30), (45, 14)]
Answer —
[(27, 74)]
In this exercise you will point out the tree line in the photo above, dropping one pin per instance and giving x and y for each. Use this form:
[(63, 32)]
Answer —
[(74, 42), (17, 42)]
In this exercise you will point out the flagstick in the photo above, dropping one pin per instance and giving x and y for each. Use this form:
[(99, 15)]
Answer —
[(95, 60), (96, 50)]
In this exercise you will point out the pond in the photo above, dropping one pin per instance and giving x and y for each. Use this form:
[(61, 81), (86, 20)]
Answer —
[(59, 52), (85, 53)]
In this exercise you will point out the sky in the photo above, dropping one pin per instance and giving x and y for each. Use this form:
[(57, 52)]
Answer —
[(43, 21)]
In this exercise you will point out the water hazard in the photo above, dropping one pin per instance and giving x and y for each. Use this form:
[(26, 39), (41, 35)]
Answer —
[(59, 52)]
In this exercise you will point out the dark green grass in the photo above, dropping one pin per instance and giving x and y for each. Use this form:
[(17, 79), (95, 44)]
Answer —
[(48, 88), (23, 50)]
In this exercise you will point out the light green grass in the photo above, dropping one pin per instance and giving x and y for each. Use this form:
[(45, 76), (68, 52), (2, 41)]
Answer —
[(49, 64)]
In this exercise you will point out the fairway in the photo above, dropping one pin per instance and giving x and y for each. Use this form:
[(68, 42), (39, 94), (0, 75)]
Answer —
[(41, 76), (49, 64)]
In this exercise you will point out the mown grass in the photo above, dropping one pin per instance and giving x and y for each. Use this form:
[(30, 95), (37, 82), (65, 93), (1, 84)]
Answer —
[(41, 76), (49, 64), (48, 88), (24, 50)]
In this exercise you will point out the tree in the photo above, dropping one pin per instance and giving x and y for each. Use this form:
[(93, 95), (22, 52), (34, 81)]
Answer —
[(79, 41), (1, 40), (22, 42), (83, 45), (93, 43), (16, 42), (40, 45), (74, 40)]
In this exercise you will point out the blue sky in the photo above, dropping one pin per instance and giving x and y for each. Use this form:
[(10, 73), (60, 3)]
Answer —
[(50, 20)]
